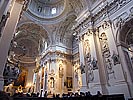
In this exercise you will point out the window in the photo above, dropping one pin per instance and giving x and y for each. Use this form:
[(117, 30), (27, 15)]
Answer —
[(39, 9), (53, 11)]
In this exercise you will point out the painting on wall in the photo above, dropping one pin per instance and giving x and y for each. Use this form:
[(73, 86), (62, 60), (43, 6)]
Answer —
[(69, 82), (22, 78)]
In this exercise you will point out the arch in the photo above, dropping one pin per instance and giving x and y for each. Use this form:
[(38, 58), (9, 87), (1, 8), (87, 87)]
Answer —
[(65, 27), (124, 39), (38, 26), (123, 32), (28, 42)]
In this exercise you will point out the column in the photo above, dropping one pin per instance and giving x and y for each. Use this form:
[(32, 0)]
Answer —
[(100, 63), (95, 84), (40, 82), (7, 37), (82, 64), (127, 77)]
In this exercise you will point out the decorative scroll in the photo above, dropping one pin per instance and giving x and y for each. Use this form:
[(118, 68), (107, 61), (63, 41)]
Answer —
[(104, 45)]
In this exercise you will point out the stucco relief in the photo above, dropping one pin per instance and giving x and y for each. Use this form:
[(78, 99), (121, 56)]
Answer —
[(106, 24), (90, 73), (131, 13), (109, 9), (110, 70), (119, 21), (104, 45), (77, 75), (115, 58), (90, 63), (86, 48), (106, 55)]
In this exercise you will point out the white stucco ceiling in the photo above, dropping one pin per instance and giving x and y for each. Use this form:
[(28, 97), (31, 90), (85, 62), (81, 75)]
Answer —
[(49, 1)]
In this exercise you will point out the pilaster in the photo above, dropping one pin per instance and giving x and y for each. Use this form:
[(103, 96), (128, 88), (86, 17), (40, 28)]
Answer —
[(7, 36)]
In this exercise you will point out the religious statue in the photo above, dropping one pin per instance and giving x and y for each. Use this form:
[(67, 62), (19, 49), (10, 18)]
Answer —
[(109, 68), (86, 47), (90, 74), (61, 70), (115, 58), (94, 64), (82, 68), (51, 82)]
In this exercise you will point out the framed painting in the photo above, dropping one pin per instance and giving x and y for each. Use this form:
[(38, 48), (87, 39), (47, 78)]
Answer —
[(22, 78)]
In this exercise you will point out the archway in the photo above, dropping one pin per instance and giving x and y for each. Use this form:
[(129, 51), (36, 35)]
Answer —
[(126, 43)]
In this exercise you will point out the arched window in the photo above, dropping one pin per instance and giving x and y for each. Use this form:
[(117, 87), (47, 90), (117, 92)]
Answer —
[(53, 11)]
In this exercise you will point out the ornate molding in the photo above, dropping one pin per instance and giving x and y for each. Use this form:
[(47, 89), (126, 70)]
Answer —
[(109, 9), (106, 24), (55, 56)]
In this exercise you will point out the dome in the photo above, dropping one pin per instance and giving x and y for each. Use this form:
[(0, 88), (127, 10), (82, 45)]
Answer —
[(46, 8)]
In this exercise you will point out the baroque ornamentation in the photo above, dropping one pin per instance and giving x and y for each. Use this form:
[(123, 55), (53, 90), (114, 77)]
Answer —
[(106, 24), (115, 58), (61, 71), (82, 68), (110, 70), (86, 48), (104, 45), (11, 73), (90, 74), (109, 9)]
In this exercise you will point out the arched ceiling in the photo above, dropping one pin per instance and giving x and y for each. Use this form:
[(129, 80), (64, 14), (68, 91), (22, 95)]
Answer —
[(65, 28), (51, 2), (25, 45), (127, 32)]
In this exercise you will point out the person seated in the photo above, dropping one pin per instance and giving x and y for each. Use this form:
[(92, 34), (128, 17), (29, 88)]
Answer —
[(53, 95), (88, 94), (99, 94), (82, 94)]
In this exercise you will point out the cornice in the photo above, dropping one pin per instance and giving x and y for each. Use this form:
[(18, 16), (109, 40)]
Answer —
[(56, 54), (109, 9)]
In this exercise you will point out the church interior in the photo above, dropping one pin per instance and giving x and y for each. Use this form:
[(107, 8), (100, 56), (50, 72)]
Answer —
[(66, 46)]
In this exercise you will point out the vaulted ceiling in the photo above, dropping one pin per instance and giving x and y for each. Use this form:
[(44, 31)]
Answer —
[(37, 25)]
